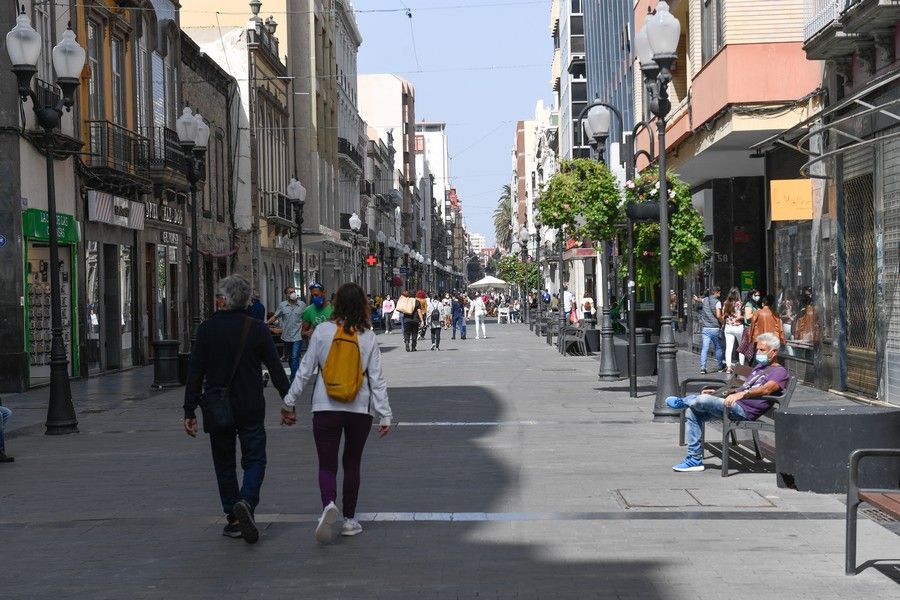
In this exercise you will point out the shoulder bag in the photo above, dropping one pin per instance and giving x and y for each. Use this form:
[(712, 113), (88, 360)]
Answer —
[(215, 403)]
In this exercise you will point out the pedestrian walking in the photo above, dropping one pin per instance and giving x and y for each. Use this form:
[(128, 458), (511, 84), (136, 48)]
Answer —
[(5, 414), (478, 311), (225, 381), (752, 303), (435, 320), (711, 323), (387, 314), (413, 317), (446, 312), (422, 299), (733, 314), (765, 320), (363, 394), (458, 317), (290, 316), (318, 312)]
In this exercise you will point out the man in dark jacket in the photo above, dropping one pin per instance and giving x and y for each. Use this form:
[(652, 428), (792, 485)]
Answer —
[(212, 362)]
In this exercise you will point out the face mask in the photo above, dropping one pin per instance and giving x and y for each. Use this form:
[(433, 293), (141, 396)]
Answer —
[(762, 359), (293, 296), (318, 301), (755, 298)]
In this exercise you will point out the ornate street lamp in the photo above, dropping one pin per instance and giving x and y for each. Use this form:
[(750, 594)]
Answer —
[(23, 44), (193, 134), (663, 32), (355, 226), (596, 127), (296, 193), (524, 236), (381, 239)]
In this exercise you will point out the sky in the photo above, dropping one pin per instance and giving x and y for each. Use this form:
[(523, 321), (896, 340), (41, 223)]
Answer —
[(479, 66)]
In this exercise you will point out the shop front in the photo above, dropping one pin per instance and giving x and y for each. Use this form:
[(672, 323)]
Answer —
[(112, 339), (166, 267), (37, 299)]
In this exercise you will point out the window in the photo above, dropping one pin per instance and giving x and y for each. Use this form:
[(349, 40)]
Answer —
[(141, 66), (221, 183), (711, 28), (117, 75), (158, 85), (43, 23), (95, 62), (576, 7)]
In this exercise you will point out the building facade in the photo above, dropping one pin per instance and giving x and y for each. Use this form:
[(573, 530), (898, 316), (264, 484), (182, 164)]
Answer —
[(569, 74)]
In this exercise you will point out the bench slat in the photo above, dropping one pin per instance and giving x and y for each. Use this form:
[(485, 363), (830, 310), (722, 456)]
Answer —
[(888, 502)]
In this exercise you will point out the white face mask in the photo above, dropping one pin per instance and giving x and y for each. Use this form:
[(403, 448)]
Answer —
[(293, 296)]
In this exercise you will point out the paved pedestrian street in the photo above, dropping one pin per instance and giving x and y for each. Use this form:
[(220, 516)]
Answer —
[(513, 473)]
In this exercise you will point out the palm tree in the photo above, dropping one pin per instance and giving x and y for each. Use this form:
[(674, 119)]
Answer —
[(503, 218)]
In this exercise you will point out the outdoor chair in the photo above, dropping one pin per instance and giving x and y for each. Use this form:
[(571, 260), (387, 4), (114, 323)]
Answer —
[(574, 335), (887, 501), (503, 314), (765, 422)]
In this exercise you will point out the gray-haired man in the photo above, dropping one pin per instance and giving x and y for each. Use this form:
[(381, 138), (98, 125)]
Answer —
[(213, 358), (744, 403)]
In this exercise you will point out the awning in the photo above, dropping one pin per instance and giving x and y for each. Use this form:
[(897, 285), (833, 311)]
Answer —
[(802, 132)]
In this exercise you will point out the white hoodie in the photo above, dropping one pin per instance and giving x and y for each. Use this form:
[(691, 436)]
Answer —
[(372, 397)]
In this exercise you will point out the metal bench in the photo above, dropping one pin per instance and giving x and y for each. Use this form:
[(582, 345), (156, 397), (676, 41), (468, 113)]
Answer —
[(574, 335), (765, 422), (887, 501)]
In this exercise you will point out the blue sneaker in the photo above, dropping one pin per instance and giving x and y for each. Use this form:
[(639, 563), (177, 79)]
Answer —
[(675, 402), (689, 465)]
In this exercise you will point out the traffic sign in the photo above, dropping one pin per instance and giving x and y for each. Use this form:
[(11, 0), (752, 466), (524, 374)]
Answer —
[(404, 270)]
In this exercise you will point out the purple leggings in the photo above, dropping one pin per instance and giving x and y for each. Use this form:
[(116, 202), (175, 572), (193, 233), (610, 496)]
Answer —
[(328, 425)]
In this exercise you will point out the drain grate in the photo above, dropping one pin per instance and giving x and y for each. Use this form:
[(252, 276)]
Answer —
[(878, 516)]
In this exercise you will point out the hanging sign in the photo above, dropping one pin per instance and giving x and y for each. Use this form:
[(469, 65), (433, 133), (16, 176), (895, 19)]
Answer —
[(36, 225)]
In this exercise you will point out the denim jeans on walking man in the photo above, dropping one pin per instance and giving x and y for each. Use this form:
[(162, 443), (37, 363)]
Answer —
[(703, 408), (712, 334), (460, 322), (294, 356), (253, 463)]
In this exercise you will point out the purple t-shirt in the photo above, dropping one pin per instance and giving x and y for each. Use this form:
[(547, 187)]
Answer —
[(754, 407)]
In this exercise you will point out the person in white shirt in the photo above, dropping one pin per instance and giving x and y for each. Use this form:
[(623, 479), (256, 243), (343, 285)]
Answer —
[(332, 418), (387, 314), (478, 311), (434, 317)]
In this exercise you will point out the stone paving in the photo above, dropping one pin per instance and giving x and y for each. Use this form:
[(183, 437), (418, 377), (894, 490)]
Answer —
[(513, 473)]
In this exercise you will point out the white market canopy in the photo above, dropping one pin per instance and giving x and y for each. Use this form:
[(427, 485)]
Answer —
[(488, 282)]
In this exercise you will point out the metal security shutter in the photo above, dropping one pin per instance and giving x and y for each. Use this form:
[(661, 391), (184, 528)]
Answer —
[(859, 244)]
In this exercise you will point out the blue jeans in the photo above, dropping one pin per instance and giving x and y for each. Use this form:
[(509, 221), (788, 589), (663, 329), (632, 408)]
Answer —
[(4, 417), (703, 408), (461, 323), (295, 348), (712, 334), (253, 463)]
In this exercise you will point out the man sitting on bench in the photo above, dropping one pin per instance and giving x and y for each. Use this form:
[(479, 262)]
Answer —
[(744, 402)]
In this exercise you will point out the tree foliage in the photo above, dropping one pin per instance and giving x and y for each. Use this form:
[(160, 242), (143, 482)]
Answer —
[(686, 232), (511, 269), (584, 199), (503, 218)]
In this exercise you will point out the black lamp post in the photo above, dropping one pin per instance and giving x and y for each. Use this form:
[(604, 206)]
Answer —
[(382, 240), (296, 193), (656, 44), (406, 251), (563, 315), (193, 134), (597, 129), (523, 243), (23, 45), (392, 251), (536, 324)]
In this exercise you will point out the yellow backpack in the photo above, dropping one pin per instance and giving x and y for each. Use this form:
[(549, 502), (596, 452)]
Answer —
[(342, 372)]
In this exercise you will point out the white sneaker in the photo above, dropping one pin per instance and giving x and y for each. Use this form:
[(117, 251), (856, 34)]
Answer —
[(351, 527), (323, 529)]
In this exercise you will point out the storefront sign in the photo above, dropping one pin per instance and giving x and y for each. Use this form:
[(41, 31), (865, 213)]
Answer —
[(35, 224), (748, 280), (169, 237), (106, 208), (164, 213), (791, 199)]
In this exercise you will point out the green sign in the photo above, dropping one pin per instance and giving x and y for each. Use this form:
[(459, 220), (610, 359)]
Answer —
[(35, 224), (748, 280)]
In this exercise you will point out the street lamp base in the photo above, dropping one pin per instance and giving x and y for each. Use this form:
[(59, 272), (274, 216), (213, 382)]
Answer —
[(62, 428)]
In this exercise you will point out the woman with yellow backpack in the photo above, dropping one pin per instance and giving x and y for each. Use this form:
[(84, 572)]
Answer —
[(349, 389)]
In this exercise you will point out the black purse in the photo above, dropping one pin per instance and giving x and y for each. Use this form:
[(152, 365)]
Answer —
[(215, 402)]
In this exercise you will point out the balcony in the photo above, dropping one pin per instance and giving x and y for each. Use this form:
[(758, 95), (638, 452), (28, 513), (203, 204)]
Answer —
[(348, 151), (824, 35), (166, 160), (556, 69), (365, 187), (870, 16), (279, 212), (117, 155)]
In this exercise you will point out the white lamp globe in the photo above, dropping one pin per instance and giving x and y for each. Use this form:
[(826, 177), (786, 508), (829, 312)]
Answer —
[(642, 47), (296, 192), (598, 122), (663, 31), (355, 222), (202, 137), (186, 127), (23, 43), (68, 56)]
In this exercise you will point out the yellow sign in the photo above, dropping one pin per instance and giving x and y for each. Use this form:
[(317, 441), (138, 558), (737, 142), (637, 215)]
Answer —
[(791, 199)]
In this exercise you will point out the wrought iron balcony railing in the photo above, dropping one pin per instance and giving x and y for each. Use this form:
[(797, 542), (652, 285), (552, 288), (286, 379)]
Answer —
[(116, 148), (165, 149)]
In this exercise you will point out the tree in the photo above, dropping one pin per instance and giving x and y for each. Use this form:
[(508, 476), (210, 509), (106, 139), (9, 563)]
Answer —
[(584, 198), (503, 218)]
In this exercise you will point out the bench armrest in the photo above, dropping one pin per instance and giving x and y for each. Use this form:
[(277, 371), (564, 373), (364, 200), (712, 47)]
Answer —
[(710, 381), (857, 455)]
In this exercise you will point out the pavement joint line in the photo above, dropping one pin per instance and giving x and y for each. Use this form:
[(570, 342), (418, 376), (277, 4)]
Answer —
[(469, 517)]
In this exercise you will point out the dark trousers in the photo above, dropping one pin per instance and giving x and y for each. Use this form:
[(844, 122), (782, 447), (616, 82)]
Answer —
[(436, 337), (410, 331), (328, 426), (253, 463)]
